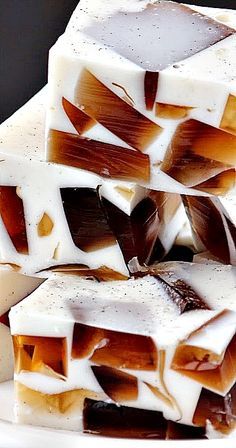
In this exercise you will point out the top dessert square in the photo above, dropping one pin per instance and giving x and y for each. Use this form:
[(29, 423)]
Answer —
[(159, 35), (149, 87)]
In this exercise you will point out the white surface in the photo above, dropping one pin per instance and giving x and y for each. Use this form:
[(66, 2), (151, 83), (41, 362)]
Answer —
[(15, 436)]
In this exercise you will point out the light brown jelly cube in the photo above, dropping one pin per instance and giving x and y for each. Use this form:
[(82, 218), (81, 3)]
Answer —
[(47, 355), (113, 348)]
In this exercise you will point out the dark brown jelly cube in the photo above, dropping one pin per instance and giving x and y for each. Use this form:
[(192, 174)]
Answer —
[(86, 220), (177, 431), (108, 419)]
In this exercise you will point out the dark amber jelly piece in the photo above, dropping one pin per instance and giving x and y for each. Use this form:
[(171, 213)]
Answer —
[(12, 214), (119, 386), (105, 159), (115, 114), (86, 219)]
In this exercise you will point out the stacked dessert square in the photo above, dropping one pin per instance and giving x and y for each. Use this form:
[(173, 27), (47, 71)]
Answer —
[(140, 156)]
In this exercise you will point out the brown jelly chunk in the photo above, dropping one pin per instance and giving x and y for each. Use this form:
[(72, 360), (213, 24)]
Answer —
[(228, 122), (121, 226), (139, 234), (171, 112), (199, 152), (111, 420), (40, 354), (177, 431), (182, 294), (208, 368), (207, 224), (86, 220), (105, 159), (113, 348), (81, 122), (219, 410), (150, 88), (159, 35), (12, 214), (115, 114), (219, 185), (119, 386)]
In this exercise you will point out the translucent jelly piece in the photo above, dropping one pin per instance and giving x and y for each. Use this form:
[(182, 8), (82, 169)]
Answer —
[(105, 159), (120, 421), (139, 234), (113, 348), (228, 122), (121, 226), (159, 35), (86, 220), (220, 411), (64, 403), (198, 152), (103, 274), (12, 214), (45, 225), (119, 386), (41, 354), (104, 106), (219, 185), (212, 370), (150, 88), (170, 111), (150, 219), (208, 226), (81, 122), (177, 431)]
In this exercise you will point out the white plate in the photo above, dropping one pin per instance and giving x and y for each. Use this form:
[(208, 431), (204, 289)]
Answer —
[(16, 436)]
